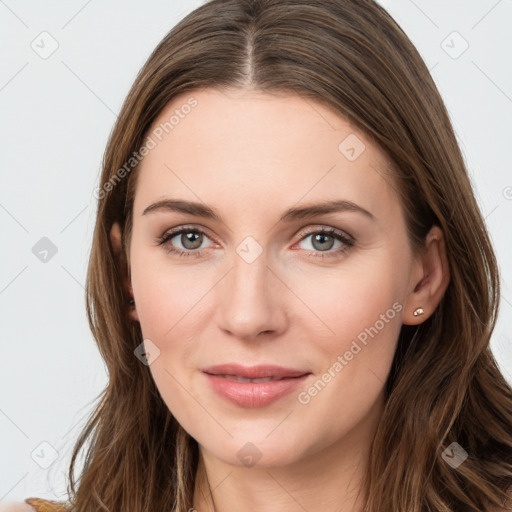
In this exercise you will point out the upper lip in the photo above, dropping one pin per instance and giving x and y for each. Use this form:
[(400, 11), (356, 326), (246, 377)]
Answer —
[(254, 372)]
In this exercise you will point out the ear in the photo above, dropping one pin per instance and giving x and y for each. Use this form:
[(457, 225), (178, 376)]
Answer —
[(116, 241), (429, 278)]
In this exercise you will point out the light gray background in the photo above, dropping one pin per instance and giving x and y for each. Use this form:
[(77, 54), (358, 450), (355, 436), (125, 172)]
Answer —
[(56, 115)]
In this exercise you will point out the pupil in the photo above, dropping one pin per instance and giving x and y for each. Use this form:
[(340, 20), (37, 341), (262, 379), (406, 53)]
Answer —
[(189, 238), (321, 238)]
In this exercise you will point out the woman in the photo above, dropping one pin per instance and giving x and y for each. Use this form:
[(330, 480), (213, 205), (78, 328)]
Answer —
[(290, 281)]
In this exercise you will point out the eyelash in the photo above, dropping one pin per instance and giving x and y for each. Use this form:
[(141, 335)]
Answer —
[(338, 235)]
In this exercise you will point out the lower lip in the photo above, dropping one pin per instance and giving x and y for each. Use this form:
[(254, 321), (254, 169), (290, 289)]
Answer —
[(254, 394)]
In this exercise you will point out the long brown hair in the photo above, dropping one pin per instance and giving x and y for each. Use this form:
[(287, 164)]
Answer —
[(444, 385)]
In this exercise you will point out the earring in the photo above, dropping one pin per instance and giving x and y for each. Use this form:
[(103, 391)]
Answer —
[(418, 312), (131, 302)]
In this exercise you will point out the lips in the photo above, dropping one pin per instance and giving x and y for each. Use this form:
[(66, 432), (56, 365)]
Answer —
[(255, 386)]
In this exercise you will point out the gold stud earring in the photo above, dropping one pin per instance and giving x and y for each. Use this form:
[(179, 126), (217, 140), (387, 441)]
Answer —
[(418, 312)]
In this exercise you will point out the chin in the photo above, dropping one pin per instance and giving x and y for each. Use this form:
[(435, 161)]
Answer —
[(258, 450)]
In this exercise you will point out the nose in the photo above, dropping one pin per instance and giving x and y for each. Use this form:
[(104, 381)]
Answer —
[(251, 300)]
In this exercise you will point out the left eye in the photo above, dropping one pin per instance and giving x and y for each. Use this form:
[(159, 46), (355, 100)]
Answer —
[(323, 240)]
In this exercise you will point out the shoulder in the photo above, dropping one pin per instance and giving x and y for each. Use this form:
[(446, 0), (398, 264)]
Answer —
[(33, 505), (16, 506)]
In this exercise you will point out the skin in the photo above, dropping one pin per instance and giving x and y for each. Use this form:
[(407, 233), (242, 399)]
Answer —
[(251, 156)]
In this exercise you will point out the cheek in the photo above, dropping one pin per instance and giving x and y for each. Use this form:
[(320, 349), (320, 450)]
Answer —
[(168, 295), (344, 300), (353, 320), (171, 306)]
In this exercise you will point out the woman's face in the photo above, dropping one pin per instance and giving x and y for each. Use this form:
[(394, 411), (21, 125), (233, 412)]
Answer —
[(258, 284)]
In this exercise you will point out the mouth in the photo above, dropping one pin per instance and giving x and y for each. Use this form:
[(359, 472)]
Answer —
[(254, 373), (255, 386)]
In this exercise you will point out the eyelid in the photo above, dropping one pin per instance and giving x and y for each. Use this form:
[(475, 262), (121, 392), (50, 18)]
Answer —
[(326, 229), (190, 227), (171, 233)]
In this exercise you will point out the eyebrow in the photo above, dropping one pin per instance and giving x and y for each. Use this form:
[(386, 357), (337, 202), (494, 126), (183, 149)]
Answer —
[(294, 213)]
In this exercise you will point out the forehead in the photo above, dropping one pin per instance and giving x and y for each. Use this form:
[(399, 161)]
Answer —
[(212, 144)]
